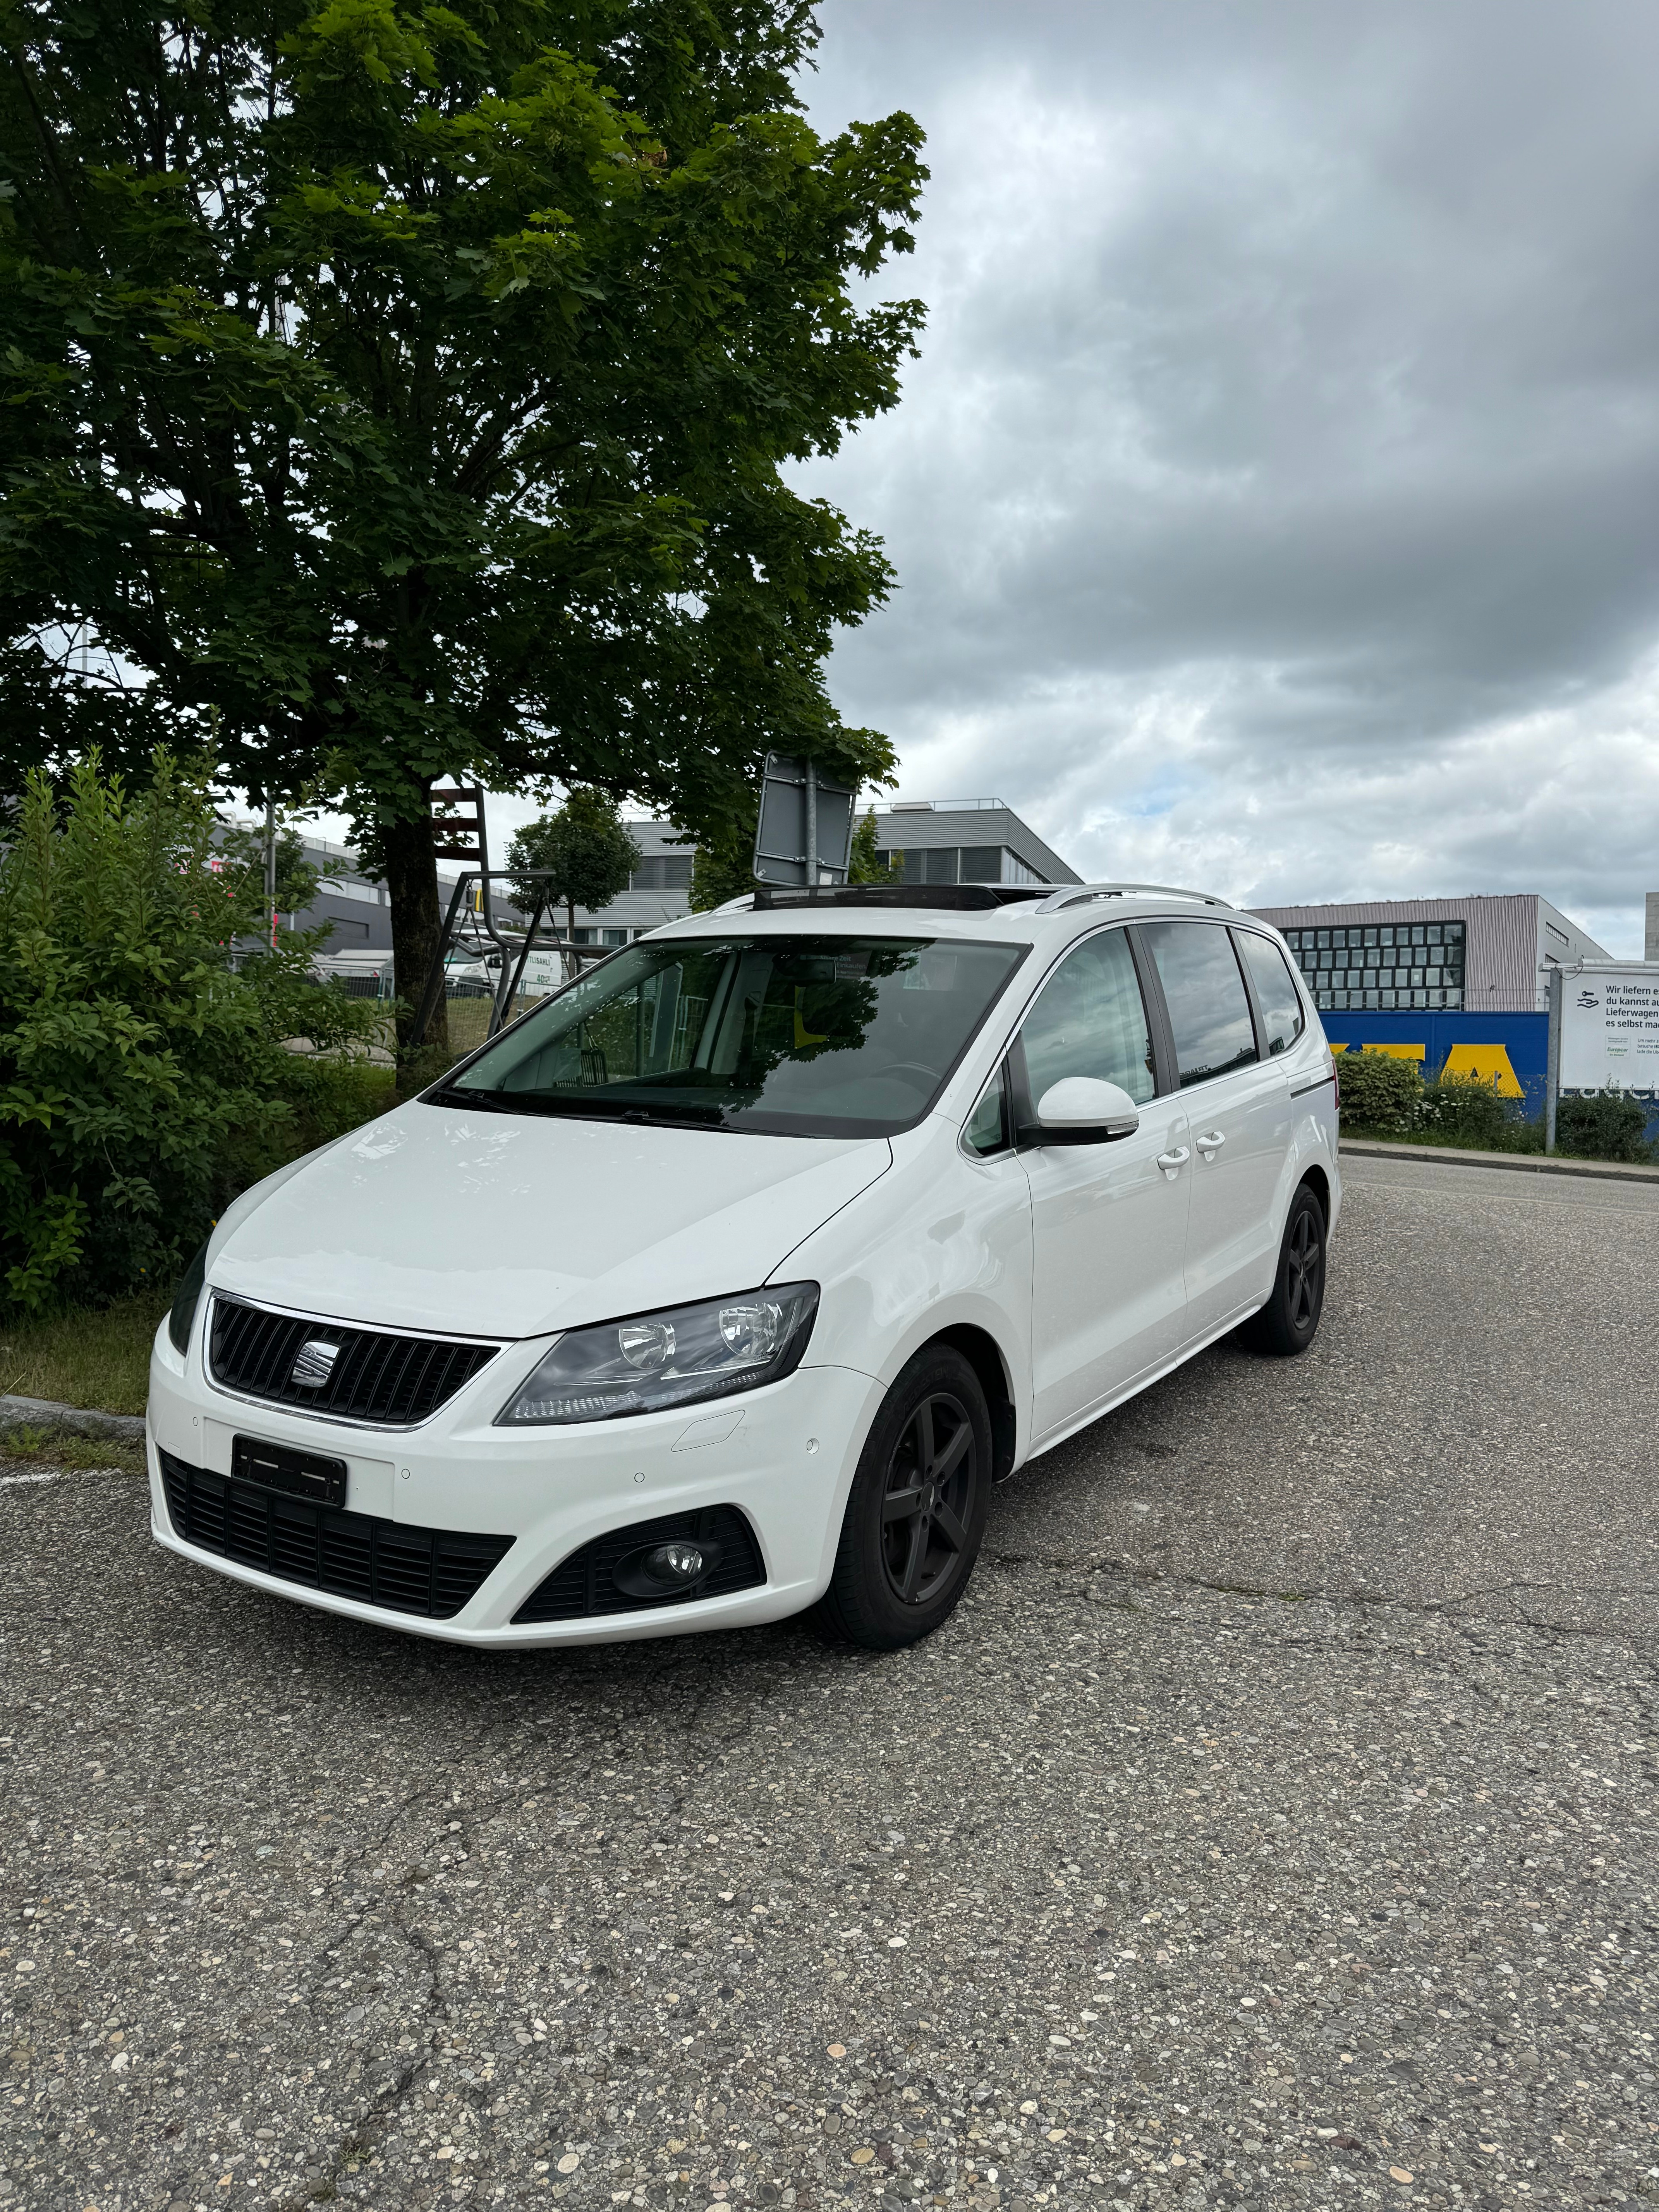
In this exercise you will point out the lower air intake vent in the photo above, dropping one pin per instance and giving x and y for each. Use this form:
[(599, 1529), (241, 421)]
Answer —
[(430, 1571), (325, 1367), (585, 1583)]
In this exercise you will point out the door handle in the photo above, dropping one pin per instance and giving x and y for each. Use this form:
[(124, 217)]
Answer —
[(1171, 1162), (1211, 1143)]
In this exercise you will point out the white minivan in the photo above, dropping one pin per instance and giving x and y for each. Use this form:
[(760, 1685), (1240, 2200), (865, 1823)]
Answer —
[(728, 1281)]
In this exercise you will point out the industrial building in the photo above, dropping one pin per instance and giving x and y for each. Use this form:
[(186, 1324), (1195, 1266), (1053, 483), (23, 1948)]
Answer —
[(923, 840), (964, 841), (1459, 985), (1475, 955)]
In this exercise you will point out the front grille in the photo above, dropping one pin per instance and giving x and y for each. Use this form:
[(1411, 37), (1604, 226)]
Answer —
[(584, 1583), (395, 1381), (431, 1571)]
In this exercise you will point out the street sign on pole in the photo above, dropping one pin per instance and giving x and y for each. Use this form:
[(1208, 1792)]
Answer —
[(805, 832)]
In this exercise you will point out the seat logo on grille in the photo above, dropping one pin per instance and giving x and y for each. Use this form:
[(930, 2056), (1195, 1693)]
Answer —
[(313, 1364)]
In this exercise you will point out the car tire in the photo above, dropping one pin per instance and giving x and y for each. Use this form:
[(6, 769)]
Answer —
[(1289, 1322), (916, 1516)]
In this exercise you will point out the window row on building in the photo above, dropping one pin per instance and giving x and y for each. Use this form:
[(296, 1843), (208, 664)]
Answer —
[(961, 864), (662, 871), (1383, 964)]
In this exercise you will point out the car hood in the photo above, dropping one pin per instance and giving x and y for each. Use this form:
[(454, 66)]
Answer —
[(499, 1225)]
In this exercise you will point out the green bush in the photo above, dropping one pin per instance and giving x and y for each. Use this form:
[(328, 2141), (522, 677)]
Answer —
[(1461, 1110), (1609, 1127), (1379, 1092), (146, 1074)]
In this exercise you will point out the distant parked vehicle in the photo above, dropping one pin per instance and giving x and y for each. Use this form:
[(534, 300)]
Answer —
[(726, 1281), (361, 974)]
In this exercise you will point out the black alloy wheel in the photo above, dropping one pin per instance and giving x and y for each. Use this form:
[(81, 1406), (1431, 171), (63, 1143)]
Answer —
[(916, 1515), (930, 1485), (1289, 1322)]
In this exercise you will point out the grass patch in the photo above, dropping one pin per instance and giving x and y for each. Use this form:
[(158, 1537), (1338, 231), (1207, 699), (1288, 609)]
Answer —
[(100, 1359), (1527, 1138), (63, 1447)]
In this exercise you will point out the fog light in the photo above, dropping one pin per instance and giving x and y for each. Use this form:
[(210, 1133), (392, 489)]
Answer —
[(675, 1569), (675, 1562)]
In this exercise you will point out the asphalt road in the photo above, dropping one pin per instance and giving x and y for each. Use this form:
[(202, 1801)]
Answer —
[(1273, 1823)]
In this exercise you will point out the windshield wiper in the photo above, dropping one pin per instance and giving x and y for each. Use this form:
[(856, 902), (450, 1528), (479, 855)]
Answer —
[(585, 1106)]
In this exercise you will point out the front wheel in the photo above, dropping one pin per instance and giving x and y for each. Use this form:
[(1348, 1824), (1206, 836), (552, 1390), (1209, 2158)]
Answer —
[(917, 1513), (1289, 1322)]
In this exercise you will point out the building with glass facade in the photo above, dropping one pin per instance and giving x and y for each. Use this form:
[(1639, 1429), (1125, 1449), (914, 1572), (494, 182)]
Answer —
[(964, 841), (1473, 954)]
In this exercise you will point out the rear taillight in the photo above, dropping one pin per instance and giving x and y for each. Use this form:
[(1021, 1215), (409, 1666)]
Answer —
[(1336, 1083)]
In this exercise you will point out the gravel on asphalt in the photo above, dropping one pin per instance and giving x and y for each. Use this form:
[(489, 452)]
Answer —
[(1273, 1822)]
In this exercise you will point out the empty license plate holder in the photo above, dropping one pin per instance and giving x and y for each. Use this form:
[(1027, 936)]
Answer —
[(296, 1473)]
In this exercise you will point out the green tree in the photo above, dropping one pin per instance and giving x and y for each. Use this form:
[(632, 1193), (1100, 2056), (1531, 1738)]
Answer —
[(411, 386), (587, 848), (146, 1074)]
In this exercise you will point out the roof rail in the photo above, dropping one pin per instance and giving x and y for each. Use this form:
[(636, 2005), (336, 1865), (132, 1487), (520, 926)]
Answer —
[(772, 898), (1081, 894)]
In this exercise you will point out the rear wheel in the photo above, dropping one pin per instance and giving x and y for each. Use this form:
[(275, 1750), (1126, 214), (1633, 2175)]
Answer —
[(917, 1513), (1289, 1322)]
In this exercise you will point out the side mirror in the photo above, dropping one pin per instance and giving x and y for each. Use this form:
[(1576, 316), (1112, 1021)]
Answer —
[(1081, 1109)]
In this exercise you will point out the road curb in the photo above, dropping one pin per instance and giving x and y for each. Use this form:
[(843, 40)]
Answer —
[(81, 1420), (1456, 1156)]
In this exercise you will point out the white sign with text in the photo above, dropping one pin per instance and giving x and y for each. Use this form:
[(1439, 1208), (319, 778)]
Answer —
[(1610, 1026)]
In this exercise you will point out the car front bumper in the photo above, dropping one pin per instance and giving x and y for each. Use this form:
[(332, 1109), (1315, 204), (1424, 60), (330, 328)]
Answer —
[(783, 1455)]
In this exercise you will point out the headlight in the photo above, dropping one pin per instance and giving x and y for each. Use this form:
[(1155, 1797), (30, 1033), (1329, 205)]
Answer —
[(186, 1299), (669, 1358)]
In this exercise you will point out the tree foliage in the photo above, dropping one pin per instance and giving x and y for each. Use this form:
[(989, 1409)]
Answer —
[(142, 1078), (412, 385), (587, 849)]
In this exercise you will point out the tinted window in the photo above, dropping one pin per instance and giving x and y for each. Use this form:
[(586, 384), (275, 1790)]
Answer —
[(1280, 1002), (1208, 1010), (1091, 1020), (803, 1035)]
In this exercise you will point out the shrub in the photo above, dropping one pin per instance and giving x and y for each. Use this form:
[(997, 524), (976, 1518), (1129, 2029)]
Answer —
[(145, 1074), (1465, 1111), (1610, 1126), (1379, 1091)]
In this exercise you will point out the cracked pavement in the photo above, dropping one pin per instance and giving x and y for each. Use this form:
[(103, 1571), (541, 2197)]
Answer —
[(1273, 1824)]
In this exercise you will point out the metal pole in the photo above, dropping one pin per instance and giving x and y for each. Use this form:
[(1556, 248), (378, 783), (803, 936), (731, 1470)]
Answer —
[(1553, 1076), (271, 867), (812, 823), (435, 981), (513, 974)]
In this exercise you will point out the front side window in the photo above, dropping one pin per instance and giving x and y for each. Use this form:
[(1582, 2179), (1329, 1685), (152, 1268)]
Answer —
[(1091, 1020), (1276, 994), (1204, 993), (798, 1036), (986, 1130)]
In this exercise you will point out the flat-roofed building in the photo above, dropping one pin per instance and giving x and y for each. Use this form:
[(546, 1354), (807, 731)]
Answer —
[(1483, 955), (964, 841)]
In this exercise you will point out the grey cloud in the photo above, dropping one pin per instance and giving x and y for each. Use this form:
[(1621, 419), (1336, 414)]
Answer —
[(1276, 495)]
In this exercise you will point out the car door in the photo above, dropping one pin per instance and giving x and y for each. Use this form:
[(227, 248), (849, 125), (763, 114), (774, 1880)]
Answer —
[(1108, 1221), (1239, 1104)]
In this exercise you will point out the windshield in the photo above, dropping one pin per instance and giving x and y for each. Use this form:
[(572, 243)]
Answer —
[(829, 1036)]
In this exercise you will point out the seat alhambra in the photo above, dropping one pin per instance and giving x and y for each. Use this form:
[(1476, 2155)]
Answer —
[(726, 1282)]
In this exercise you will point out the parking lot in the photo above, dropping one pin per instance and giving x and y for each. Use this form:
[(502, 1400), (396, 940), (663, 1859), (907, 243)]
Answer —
[(1273, 1822)]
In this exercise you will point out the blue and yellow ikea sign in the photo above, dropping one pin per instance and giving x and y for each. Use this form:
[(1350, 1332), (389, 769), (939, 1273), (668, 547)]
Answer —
[(1510, 1050)]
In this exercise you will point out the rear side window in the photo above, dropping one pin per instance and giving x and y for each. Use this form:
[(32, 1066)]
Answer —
[(1091, 1020), (1276, 994), (1209, 1011)]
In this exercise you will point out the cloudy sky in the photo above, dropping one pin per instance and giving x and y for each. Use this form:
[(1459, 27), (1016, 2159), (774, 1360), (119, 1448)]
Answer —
[(1276, 500)]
